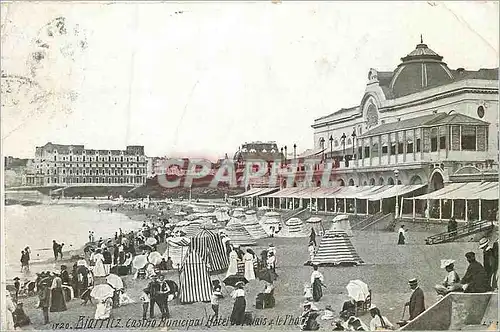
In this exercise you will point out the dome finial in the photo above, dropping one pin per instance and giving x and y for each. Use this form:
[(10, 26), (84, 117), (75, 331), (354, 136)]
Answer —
[(421, 39)]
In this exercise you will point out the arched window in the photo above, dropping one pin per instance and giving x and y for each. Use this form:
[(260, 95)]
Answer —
[(109, 180), (381, 181), (390, 181), (351, 182), (372, 182), (349, 141), (365, 183), (336, 143)]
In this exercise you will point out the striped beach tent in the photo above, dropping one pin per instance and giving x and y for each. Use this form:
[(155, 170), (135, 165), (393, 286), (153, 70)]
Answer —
[(294, 227), (195, 285), (252, 225), (190, 227), (177, 248), (336, 248), (239, 236), (210, 247), (238, 212)]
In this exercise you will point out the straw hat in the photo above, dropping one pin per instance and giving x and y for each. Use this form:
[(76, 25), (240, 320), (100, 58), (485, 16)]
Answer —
[(413, 281), (483, 243), (372, 306), (446, 262)]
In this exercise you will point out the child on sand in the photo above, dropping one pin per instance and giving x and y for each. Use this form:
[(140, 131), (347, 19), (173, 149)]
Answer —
[(145, 302), (216, 295)]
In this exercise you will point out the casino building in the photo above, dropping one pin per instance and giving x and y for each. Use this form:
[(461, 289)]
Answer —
[(420, 129), (422, 123)]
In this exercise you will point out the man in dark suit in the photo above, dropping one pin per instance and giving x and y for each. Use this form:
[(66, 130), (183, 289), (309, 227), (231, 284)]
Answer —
[(417, 302), (475, 279), (490, 257), (154, 288)]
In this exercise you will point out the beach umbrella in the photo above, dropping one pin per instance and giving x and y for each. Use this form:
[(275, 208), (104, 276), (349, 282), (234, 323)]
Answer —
[(232, 280), (145, 247), (358, 290), (115, 281), (139, 261), (155, 257), (151, 241), (102, 291), (340, 218)]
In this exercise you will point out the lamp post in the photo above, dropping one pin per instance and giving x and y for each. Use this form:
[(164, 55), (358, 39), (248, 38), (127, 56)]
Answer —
[(286, 156), (295, 151), (353, 142), (322, 146), (396, 175), (331, 147), (342, 138)]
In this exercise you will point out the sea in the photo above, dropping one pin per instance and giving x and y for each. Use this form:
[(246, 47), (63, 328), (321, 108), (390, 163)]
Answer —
[(37, 225)]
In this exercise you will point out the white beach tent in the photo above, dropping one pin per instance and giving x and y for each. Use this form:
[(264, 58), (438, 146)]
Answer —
[(341, 224), (238, 234), (334, 249), (294, 227), (271, 220), (238, 212), (252, 225), (316, 224), (177, 248)]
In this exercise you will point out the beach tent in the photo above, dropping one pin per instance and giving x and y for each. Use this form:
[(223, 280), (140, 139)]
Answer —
[(336, 248), (221, 214), (341, 224), (177, 248), (189, 227), (294, 227), (270, 219), (238, 212), (236, 221), (210, 247), (194, 279), (252, 225), (316, 224), (238, 235)]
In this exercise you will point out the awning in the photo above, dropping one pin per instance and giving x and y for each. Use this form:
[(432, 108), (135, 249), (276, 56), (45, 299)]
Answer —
[(249, 192), (263, 191), (306, 193), (285, 192), (373, 191), (468, 190), (349, 192), (395, 190)]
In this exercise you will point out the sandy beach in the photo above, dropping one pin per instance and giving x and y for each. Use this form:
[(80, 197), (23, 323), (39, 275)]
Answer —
[(386, 270)]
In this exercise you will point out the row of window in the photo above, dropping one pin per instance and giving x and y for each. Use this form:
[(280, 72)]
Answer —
[(97, 180), (335, 142), (91, 165), (89, 158), (97, 172)]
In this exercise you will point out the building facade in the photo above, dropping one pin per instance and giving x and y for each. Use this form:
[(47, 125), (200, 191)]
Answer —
[(73, 165), (423, 123)]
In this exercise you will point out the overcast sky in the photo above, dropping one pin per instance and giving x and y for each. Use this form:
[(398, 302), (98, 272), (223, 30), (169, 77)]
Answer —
[(206, 80)]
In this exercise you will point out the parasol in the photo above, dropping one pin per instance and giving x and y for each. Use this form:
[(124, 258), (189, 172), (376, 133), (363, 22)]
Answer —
[(139, 261), (151, 241), (102, 291), (232, 280), (340, 218), (154, 258), (145, 247), (358, 290), (115, 281)]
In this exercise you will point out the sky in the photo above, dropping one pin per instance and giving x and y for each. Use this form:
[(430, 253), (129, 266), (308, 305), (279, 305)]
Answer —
[(200, 79)]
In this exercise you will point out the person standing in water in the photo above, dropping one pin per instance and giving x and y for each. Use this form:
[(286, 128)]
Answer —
[(55, 249)]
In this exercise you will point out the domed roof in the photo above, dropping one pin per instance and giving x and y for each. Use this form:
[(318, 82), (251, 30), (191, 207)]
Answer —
[(420, 69)]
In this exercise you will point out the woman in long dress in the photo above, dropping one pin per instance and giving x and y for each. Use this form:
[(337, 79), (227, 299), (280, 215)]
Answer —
[(401, 235), (99, 270), (57, 301), (103, 309), (249, 271), (238, 313), (233, 264), (11, 307), (317, 280)]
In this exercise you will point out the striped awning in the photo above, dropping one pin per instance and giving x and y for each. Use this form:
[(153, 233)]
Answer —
[(465, 190), (263, 191), (395, 190), (248, 192)]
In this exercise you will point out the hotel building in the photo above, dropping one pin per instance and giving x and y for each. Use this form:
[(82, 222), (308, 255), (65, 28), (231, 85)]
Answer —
[(73, 165)]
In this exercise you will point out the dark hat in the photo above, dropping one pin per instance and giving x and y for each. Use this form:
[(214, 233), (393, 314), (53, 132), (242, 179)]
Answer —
[(470, 254), (16, 278)]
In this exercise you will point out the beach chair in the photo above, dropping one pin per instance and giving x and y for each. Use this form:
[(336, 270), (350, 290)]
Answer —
[(364, 306)]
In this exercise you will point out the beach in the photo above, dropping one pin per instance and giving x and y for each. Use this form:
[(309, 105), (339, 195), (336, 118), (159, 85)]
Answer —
[(66, 222), (387, 269)]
